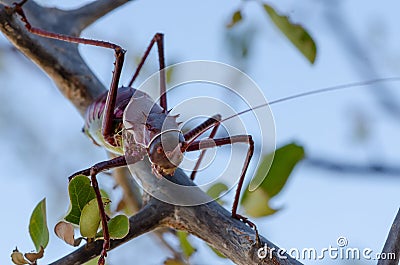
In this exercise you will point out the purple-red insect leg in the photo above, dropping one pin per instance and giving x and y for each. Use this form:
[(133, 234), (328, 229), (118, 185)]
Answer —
[(108, 114), (204, 144), (197, 131), (119, 161), (159, 39)]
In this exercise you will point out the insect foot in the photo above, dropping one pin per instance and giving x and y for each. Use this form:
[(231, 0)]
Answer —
[(249, 223)]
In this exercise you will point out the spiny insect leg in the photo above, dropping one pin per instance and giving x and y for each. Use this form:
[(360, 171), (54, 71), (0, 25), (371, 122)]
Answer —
[(107, 126), (198, 145), (197, 131), (159, 39), (92, 172)]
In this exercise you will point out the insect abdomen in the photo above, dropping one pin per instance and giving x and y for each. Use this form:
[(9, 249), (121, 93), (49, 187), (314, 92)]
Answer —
[(94, 120)]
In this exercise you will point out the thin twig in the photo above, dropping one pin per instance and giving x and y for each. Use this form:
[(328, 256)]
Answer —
[(159, 234), (348, 167)]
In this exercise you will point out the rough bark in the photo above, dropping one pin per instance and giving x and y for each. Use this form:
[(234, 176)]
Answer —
[(392, 245)]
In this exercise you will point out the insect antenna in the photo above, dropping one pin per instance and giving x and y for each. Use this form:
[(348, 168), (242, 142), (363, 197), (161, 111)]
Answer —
[(314, 92), (308, 93)]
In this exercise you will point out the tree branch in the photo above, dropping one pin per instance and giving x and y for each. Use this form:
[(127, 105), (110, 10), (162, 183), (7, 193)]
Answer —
[(347, 167), (132, 195), (210, 222), (91, 12), (147, 219), (62, 62), (392, 244)]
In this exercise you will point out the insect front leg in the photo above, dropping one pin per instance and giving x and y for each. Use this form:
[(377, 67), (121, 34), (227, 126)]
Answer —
[(199, 130), (210, 143), (107, 126), (92, 172)]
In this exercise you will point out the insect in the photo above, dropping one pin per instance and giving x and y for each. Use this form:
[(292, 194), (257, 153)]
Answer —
[(104, 126)]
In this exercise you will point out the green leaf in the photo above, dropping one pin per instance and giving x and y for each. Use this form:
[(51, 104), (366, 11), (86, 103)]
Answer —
[(107, 206), (216, 190), (236, 17), (90, 218), (262, 171), (295, 33), (104, 194), (92, 261), (186, 247), (118, 226), (80, 193), (286, 158), (171, 261), (257, 204), (38, 226)]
